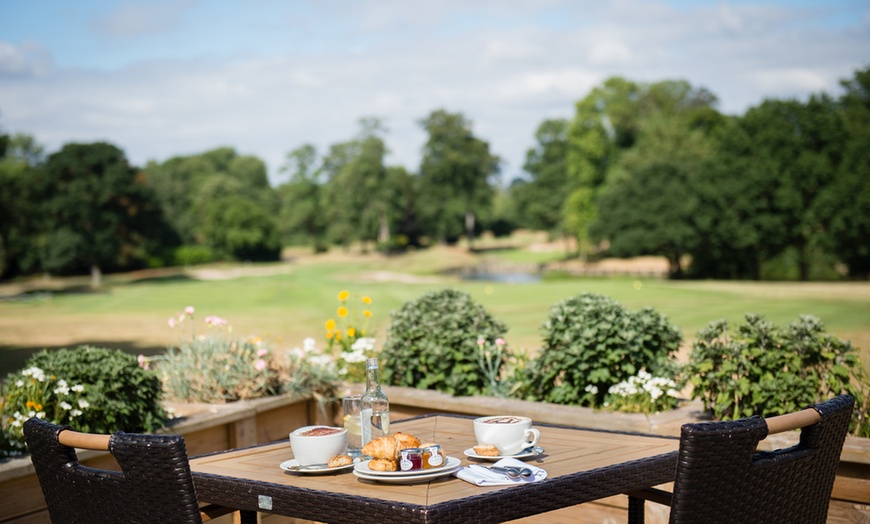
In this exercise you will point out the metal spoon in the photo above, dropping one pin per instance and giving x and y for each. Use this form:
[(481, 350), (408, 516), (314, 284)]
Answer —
[(514, 472)]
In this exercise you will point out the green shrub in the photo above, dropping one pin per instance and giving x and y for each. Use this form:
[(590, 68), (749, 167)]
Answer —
[(218, 366), (432, 344), (592, 343), (193, 255), (92, 389), (758, 369)]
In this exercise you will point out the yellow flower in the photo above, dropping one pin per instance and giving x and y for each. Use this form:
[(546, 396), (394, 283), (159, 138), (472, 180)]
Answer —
[(343, 295), (342, 311), (330, 324), (351, 332), (367, 313), (38, 407), (30, 403), (328, 335), (338, 335), (366, 300)]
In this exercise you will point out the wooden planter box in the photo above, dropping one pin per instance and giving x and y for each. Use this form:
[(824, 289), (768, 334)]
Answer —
[(208, 428)]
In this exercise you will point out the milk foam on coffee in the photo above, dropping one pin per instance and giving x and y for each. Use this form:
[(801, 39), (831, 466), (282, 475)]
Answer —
[(503, 420)]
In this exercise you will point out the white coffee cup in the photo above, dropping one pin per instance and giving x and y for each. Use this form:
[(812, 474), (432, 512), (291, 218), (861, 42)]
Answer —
[(509, 433), (311, 448)]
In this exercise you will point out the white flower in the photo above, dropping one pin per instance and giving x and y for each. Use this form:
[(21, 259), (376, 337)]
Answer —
[(363, 344), (66, 405), (34, 372), (84, 404), (40, 415), (321, 360), (308, 344), (78, 388), (20, 383), (355, 356), (61, 389), (296, 352), (591, 388), (75, 412)]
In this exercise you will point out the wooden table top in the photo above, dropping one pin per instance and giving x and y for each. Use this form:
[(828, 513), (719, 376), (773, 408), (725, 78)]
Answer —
[(582, 465)]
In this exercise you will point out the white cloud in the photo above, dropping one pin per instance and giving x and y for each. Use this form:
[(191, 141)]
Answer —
[(27, 59), (137, 19)]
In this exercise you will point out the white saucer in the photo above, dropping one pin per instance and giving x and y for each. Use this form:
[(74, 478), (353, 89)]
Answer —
[(362, 468), (293, 466), (526, 453)]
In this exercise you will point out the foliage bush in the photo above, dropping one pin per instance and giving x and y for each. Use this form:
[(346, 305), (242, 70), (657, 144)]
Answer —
[(592, 343), (758, 369), (92, 389), (219, 366), (193, 255), (432, 343)]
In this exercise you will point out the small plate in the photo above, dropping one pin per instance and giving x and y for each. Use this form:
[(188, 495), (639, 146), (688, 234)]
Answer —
[(526, 453), (293, 467), (362, 468)]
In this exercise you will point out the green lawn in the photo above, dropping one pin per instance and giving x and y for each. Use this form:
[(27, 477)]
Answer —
[(295, 302)]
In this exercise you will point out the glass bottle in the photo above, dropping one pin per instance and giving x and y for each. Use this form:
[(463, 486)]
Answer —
[(374, 406)]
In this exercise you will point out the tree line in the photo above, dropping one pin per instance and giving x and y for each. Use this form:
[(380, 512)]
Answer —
[(642, 169)]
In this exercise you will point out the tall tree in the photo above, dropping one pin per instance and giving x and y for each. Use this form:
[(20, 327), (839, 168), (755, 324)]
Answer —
[(192, 189), (539, 202), (622, 128), (456, 174), (302, 218), (649, 213), (20, 200), (358, 186), (800, 145), (98, 209), (846, 202)]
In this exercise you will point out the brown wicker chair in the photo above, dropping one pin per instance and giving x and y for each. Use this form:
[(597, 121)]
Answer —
[(154, 484), (721, 477)]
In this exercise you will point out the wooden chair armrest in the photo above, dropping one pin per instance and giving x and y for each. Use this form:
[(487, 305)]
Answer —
[(791, 421), (213, 511), (74, 439), (653, 495)]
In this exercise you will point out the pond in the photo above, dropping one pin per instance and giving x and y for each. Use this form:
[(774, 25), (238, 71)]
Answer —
[(501, 276)]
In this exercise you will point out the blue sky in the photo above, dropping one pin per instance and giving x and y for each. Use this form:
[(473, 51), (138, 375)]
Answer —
[(170, 77)]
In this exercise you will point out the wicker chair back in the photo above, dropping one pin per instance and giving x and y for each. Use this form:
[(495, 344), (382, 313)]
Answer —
[(721, 478), (154, 484)]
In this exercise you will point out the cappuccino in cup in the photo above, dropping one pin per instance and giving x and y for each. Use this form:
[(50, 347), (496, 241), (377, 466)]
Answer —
[(510, 434)]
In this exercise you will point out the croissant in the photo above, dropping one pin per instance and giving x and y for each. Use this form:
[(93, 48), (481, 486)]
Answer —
[(406, 440), (377, 464), (386, 447)]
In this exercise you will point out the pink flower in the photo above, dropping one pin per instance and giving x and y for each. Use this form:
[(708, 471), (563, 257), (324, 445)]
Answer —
[(260, 365), (172, 322), (212, 320), (143, 362), (481, 342), (262, 352), (189, 310), (499, 342)]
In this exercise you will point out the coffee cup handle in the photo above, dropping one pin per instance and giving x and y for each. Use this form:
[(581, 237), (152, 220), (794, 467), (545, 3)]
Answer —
[(535, 437)]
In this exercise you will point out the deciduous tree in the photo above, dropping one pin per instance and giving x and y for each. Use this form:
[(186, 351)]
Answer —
[(456, 176)]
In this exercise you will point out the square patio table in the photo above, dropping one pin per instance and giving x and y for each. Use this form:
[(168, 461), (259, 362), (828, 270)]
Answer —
[(582, 465)]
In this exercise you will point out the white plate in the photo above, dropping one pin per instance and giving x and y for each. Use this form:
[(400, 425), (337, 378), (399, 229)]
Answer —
[(410, 479), (526, 453), (452, 463), (293, 466)]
